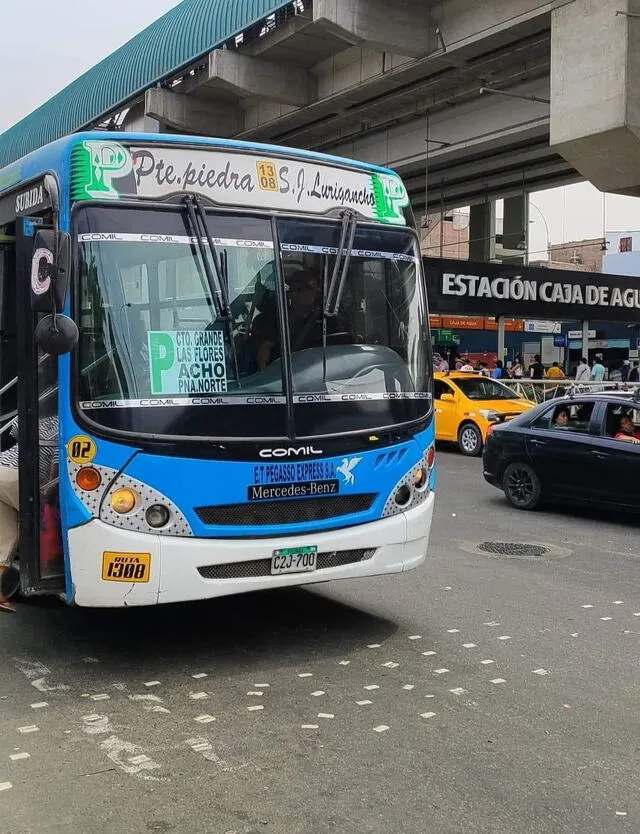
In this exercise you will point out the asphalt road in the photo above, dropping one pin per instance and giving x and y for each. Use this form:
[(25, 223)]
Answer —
[(477, 694)]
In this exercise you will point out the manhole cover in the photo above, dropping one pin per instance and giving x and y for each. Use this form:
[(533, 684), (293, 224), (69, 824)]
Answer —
[(516, 550)]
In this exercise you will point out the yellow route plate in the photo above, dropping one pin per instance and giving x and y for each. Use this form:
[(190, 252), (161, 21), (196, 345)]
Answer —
[(126, 567)]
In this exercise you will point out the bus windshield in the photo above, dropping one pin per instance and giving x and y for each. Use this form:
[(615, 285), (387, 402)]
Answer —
[(160, 354)]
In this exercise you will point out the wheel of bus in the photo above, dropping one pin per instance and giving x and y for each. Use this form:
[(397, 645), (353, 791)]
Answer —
[(10, 583), (521, 486), (470, 440)]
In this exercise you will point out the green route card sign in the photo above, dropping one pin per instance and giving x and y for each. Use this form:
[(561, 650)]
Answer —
[(109, 170), (187, 362)]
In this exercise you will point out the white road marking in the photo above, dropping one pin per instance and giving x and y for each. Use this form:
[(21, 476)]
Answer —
[(255, 707), (200, 675), (198, 696), (618, 602), (391, 664), (37, 674), (540, 671), (637, 614), (152, 683), (487, 662), (498, 680), (374, 645), (318, 693), (305, 674), (102, 697), (574, 634), (39, 705), (203, 745), (587, 606), (205, 719), (504, 637), (141, 759), (409, 686), (428, 654), (326, 715), (363, 703), (16, 757), (260, 685), (415, 637), (255, 692), (381, 728), (151, 703), (310, 726), (30, 728), (4, 786), (469, 646), (371, 686), (621, 813), (345, 662), (441, 671), (427, 714), (129, 758), (453, 631), (491, 624), (458, 690), (606, 619), (429, 696)]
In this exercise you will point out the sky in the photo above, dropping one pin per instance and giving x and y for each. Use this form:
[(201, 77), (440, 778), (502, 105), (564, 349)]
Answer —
[(46, 45)]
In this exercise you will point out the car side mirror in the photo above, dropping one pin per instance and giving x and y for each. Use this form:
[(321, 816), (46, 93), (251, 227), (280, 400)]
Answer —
[(448, 398), (50, 270)]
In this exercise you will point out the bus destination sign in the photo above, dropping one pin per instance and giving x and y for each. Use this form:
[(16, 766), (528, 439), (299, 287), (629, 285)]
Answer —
[(108, 170)]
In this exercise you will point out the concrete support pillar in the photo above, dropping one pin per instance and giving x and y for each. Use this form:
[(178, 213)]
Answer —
[(401, 27), (245, 76), (585, 340), (136, 121), (514, 228), (192, 114), (482, 232), (501, 338), (595, 91)]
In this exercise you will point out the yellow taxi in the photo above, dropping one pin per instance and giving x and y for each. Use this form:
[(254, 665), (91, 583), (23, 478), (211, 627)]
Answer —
[(466, 404)]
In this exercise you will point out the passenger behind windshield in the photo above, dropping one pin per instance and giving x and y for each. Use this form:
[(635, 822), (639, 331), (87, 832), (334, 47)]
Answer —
[(627, 430)]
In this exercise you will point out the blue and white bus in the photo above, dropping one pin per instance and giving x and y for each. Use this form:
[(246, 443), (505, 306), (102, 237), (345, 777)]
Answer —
[(234, 340)]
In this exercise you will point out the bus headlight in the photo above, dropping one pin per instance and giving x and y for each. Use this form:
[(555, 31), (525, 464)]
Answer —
[(123, 501), (157, 516), (413, 488)]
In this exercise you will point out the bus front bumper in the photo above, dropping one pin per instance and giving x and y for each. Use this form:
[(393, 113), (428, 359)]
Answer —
[(181, 568)]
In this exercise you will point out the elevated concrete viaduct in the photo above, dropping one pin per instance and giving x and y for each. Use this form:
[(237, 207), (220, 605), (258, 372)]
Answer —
[(396, 83)]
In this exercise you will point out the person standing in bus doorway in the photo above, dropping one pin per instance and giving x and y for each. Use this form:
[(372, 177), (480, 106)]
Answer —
[(9, 493), (634, 376)]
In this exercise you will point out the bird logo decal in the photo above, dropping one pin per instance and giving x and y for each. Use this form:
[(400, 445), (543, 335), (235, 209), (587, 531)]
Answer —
[(346, 470)]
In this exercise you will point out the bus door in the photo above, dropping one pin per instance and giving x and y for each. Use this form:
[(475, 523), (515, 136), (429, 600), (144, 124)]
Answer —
[(8, 356), (40, 549)]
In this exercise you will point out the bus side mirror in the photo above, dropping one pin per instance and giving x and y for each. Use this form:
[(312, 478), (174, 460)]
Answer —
[(56, 334), (50, 271), (448, 398)]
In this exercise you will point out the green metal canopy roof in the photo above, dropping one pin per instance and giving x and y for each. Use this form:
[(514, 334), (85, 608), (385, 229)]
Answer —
[(179, 38)]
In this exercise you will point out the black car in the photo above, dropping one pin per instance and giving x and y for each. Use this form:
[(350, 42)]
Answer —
[(567, 450)]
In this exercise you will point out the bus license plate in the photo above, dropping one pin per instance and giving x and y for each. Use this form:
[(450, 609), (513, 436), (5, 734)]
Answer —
[(294, 560)]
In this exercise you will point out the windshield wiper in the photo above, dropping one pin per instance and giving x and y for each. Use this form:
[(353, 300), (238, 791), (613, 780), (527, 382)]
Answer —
[(218, 276), (334, 289), (341, 267)]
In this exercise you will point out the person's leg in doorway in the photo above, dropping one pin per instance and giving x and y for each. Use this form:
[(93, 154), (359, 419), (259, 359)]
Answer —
[(8, 527)]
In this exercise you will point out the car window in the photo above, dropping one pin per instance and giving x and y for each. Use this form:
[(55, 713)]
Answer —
[(567, 417), (440, 388), (615, 413)]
